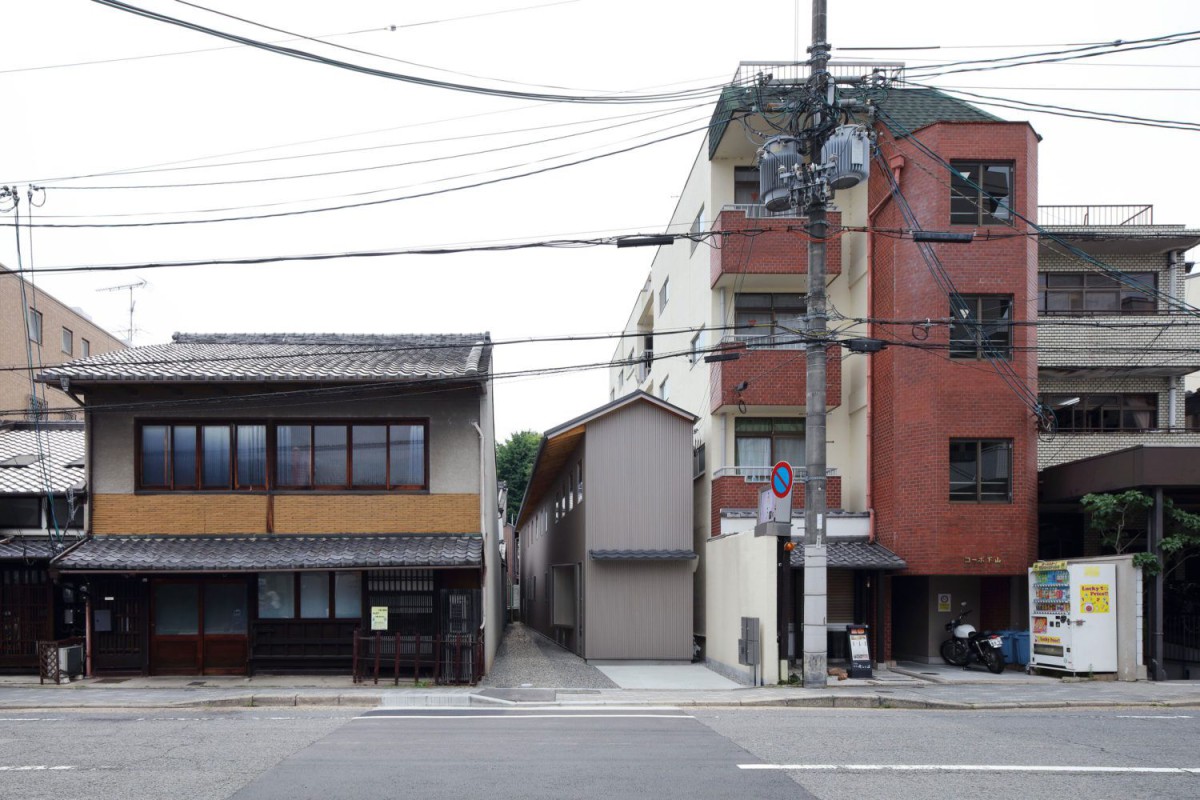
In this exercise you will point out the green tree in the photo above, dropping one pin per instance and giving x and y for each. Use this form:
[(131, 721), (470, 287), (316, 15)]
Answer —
[(1112, 515), (514, 465)]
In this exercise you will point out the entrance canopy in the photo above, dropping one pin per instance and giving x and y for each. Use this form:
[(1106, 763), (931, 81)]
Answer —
[(1176, 469), (855, 555), (271, 553)]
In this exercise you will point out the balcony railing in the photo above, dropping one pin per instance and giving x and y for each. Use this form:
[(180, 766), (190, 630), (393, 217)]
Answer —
[(1096, 216), (767, 341), (763, 474), (798, 72), (756, 211)]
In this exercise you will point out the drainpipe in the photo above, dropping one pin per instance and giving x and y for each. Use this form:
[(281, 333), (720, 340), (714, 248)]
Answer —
[(897, 164), (483, 566), (1172, 410)]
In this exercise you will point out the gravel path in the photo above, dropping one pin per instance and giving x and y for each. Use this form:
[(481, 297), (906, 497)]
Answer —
[(527, 657)]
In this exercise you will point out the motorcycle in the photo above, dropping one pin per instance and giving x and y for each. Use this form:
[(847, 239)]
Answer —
[(966, 645)]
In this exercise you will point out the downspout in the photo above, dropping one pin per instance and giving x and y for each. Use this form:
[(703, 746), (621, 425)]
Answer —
[(897, 164), (483, 562)]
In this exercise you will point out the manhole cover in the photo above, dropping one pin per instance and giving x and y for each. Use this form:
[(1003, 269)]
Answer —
[(195, 683), (112, 680)]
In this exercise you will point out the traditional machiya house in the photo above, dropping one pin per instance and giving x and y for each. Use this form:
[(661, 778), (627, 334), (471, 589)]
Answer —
[(42, 497), (931, 448), (607, 571), (255, 497)]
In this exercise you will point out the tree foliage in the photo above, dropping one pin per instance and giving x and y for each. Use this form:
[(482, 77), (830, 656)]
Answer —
[(1112, 516), (514, 465)]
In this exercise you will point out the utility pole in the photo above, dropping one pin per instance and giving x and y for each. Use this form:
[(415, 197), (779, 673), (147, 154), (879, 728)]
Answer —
[(816, 653)]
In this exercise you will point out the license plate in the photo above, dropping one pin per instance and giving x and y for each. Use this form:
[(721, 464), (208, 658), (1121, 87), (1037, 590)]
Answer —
[(995, 642)]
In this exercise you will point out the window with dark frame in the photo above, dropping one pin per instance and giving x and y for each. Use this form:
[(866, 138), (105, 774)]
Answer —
[(770, 319), (234, 456), (1093, 293), (762, 442), (981, 470), (981, 193), (310, 595), (986, 331), (1104, 412)]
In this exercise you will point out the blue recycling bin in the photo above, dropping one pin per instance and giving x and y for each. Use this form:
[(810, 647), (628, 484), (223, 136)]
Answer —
[(1021, 647), (1008, 647)]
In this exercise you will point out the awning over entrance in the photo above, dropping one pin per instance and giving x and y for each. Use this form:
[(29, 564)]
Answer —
[(272, 553), (24, 548), (855, 555), (641, 555), (1176, 469)]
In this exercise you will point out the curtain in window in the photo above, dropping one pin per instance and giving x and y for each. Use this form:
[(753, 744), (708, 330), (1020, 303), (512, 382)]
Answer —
[(329, 455), (407, 455), (252, 455), (293, 455), (215, 444)]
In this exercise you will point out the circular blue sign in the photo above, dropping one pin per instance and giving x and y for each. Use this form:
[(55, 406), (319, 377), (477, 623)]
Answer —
[(781, 479)]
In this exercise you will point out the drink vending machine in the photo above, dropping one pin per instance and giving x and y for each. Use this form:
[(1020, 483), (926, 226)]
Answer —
[(1073, 616)]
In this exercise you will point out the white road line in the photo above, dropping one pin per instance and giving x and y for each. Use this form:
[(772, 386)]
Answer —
[(527, 716), (37, 768), (32, 719), (1154, 716), (972, 768)]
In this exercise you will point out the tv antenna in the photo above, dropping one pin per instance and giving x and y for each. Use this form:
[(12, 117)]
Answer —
[(139, 284)]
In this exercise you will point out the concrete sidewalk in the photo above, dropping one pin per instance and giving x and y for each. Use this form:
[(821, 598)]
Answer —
[(275, 691)]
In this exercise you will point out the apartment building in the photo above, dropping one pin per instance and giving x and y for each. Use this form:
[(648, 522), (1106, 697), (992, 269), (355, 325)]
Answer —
[(37, 330), (1116, 350), (932, 452), (255, 497)]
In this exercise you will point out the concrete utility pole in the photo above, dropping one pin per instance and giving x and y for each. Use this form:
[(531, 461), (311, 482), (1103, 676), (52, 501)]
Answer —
[(816, 654)]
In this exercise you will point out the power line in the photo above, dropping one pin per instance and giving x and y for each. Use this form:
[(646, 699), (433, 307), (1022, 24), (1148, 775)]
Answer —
[(303, 55)]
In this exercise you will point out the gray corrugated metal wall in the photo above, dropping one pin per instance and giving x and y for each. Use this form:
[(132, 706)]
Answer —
[(638, 481)]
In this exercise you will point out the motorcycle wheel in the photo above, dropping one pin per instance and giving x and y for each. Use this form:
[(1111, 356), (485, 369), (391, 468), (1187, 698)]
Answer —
[(955, 653), (994, 660)]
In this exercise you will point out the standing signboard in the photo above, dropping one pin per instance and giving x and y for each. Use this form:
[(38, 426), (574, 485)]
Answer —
[(860, 654)]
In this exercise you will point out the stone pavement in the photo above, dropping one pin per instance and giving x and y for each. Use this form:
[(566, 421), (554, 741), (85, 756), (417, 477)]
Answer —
[(530, 669)]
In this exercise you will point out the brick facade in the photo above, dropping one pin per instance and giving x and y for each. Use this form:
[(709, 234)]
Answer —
[(193, 514), (775, 378), (922, 398), (781, 250), (732, 491)]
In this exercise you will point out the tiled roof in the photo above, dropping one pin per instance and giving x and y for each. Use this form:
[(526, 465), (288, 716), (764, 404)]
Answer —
[(641, 555), (306, 358), (20, 548), (275, 552), (855, 555), (46, 452), (910, 109)]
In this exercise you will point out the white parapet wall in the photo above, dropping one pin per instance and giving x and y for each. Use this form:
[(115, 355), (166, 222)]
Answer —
[(741, 581)]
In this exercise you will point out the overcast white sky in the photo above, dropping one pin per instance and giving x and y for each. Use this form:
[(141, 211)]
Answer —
[(198, 108)]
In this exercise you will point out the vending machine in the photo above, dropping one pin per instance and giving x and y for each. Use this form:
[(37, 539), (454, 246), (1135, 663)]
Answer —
[(1073, 616)]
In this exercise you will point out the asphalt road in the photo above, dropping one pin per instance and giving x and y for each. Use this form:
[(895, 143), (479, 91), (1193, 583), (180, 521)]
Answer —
[(298, 753)]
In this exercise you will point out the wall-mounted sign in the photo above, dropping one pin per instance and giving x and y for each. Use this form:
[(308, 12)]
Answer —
[(379, 618), (943, 602), (1093, 598), (982, 560)]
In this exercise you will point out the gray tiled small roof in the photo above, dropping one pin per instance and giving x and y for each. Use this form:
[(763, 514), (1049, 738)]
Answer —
[(641, 555), (53, 447), (304, 358), (855, 555), (20, 548), (273, 552)]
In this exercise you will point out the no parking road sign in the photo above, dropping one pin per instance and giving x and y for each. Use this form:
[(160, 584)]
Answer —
[(781, 479)]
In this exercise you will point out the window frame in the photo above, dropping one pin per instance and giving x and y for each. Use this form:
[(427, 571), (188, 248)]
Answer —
[(270, 481), (1083, 409), (85, 347), (68, 341), (779, 303), (977, 349), (35, 332), (696, 229), (979, 497), (977, 168), (775, 456), (297, 614), (1123, 293), (664, 294)]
